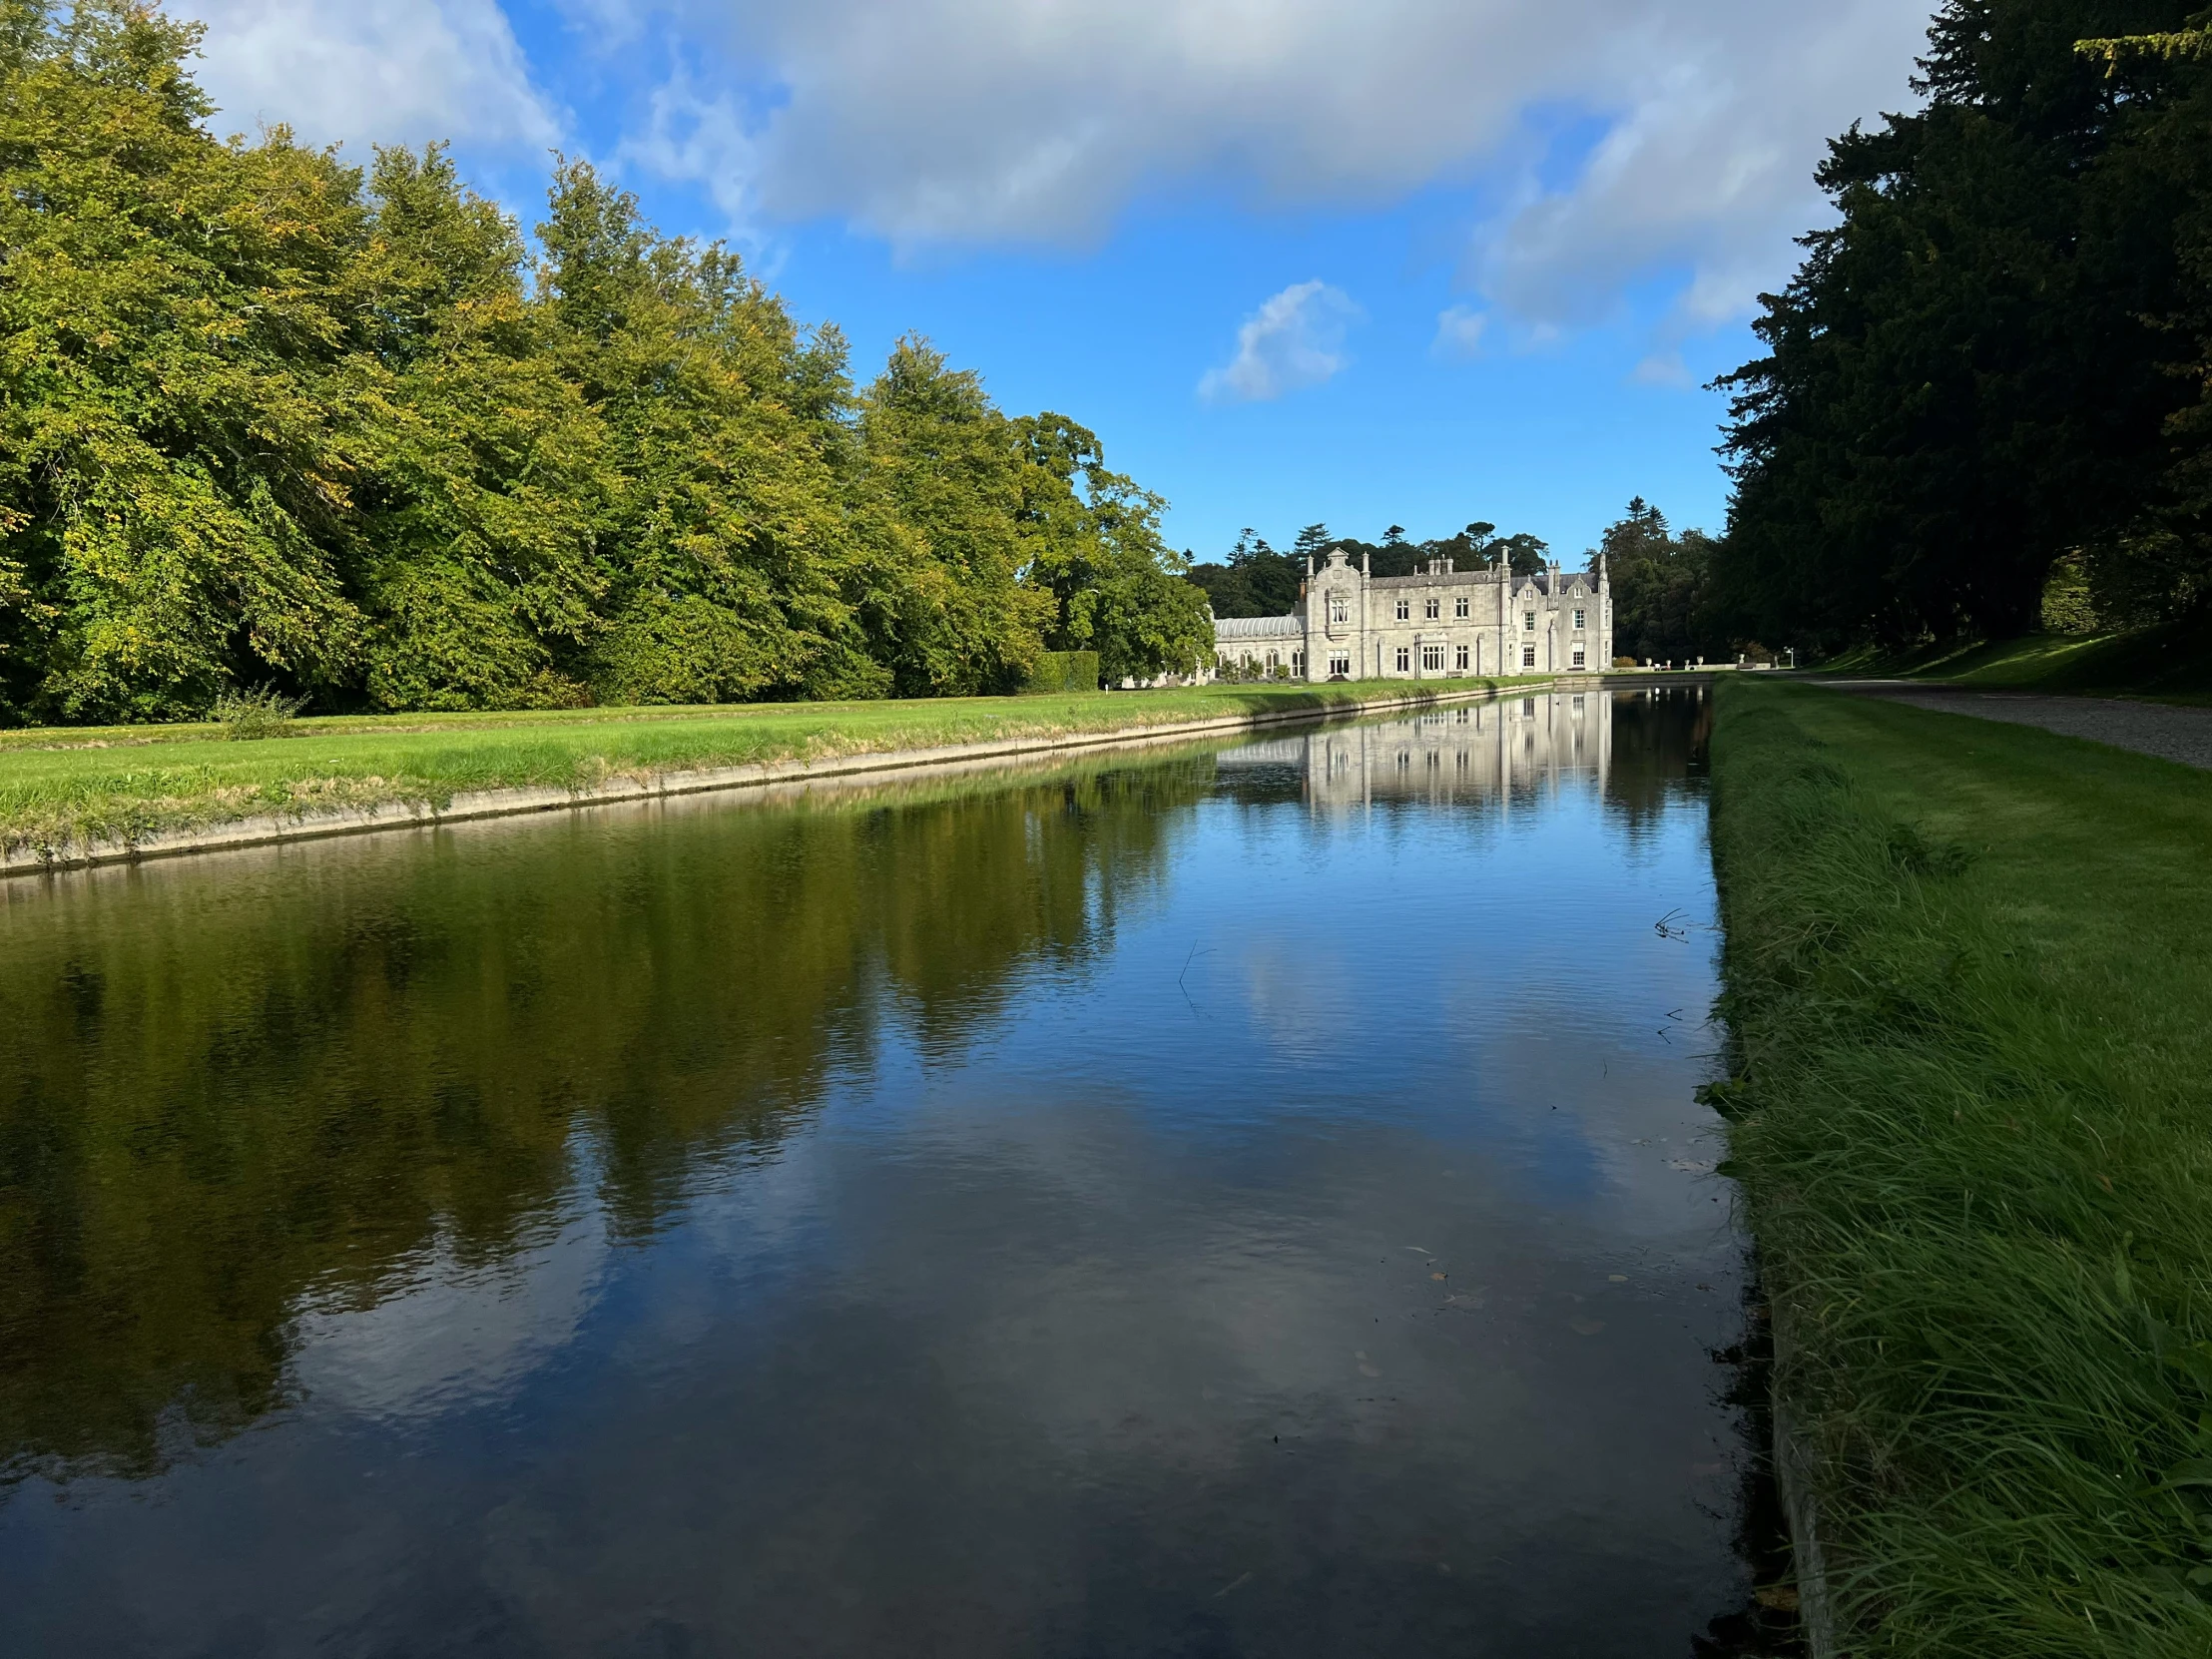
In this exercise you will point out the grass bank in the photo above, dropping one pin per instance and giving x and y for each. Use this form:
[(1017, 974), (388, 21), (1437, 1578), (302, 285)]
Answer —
[(1968, 980), (66, 790), (2172, 664)]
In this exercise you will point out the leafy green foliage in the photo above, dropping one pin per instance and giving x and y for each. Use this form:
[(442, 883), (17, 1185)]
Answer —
[(1094, 543), (1056, 672), (266, 419), (262, 712), (1661, 581)]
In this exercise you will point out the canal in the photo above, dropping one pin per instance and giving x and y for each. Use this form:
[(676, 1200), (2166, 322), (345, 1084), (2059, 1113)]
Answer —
[(1242, 1200)]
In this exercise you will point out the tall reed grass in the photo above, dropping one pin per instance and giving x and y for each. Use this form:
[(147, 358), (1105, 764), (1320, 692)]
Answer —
[(1969, 975)]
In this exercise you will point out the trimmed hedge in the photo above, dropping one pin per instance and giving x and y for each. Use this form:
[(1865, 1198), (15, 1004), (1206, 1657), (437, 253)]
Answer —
[(1058, 672)]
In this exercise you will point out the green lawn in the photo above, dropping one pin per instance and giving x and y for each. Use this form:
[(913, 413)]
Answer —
[(1968, 974), (68, 787), (2172, 664)]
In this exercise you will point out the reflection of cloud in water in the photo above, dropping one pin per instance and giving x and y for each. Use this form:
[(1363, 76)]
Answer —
[(1508, 937), (1273, 1294), (454, 1333), (1296, 997)]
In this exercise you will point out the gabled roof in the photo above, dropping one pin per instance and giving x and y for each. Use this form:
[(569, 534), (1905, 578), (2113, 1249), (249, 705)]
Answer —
[(1568, 579)]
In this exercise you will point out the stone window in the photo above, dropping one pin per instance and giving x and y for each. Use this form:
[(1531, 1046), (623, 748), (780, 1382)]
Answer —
[(1432, 659), (1578, 619), (1463, 659), (1341, 666), (1460, 606), (1405, 610), (1405, 653), (1528, 622), (1435, 609), (1578, 656), (1340, 609), (1297, 664), (1527, 656)]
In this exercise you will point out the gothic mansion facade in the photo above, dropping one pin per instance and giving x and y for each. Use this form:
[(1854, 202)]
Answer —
[(1436, 625)]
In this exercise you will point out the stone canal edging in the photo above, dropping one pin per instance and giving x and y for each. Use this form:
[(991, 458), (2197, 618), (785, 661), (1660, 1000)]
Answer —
[(1793, 1476), (477, 804)]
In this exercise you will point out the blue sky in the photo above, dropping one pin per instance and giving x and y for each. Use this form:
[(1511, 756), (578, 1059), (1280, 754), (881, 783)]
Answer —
[(1411, 261)]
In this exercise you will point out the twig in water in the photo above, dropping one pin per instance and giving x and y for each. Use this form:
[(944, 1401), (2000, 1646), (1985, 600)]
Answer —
[(1179, 985)]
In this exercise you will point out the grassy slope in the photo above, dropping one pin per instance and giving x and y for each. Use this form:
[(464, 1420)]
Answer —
[(64, 787), (1969, 984), (2171, 663)]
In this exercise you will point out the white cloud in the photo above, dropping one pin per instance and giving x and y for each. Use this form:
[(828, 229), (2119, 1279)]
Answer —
[(977, 121), (965, 122), (1663, 369), (1296, 338), (701, 139), (1707, 165), (388, 71), (1459, 330)]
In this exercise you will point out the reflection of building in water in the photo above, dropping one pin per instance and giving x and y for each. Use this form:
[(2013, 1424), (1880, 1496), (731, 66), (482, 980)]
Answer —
[(1476, 752)]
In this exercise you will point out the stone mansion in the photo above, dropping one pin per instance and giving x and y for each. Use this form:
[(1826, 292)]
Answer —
[(1435, 625)]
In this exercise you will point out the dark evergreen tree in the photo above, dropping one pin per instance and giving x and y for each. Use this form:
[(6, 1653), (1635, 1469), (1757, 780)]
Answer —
[(1974, 372), (1661, 604)]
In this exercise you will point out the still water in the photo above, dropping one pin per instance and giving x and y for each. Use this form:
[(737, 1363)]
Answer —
[(1225, 1202)]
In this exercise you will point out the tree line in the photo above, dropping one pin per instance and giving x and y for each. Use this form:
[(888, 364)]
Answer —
[(1986, 397), (271, 420), (1255, 579)]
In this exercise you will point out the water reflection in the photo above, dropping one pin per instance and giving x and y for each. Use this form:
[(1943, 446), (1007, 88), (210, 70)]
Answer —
[(1471, 754), (321, 1073), (1218, 1202), (1491, 754)]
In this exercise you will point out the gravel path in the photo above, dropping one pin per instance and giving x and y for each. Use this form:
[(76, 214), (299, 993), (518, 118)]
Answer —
[(2168, 730)]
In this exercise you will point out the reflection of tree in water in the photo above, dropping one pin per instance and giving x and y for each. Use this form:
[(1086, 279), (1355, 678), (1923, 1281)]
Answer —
[(225, 1087), (1659, 741)]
